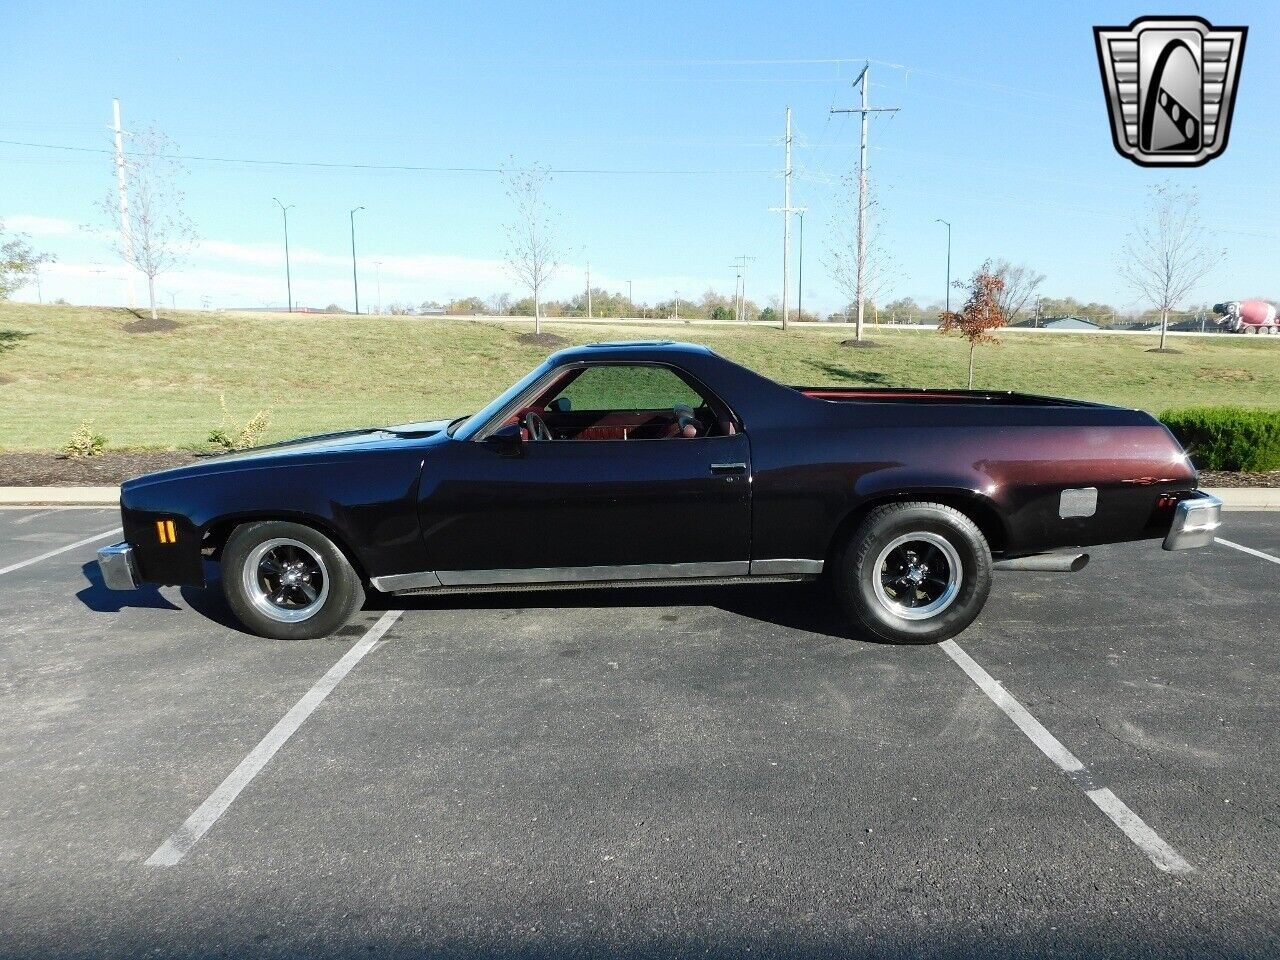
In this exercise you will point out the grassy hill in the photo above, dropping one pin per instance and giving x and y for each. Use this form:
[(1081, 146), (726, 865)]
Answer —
[(60, 365)]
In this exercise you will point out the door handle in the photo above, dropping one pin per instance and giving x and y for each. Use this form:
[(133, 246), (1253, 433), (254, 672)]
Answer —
[(728, 468)]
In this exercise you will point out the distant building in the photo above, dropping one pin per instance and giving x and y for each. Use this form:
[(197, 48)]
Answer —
[(296, 309)]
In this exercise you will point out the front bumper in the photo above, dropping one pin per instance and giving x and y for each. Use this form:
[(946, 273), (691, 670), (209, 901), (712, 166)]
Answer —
[(119, 569), (1195, 520)]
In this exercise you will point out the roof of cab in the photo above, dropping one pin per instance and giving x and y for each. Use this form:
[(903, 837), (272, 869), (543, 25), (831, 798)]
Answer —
[(625, 348)]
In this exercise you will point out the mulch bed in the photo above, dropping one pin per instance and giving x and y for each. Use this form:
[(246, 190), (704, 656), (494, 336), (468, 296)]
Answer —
[(108, 469), (1230, 478), (148, 325), (543, 339)]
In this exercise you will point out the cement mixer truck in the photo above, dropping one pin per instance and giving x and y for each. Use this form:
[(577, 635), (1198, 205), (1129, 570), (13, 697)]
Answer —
[(1247, 316)]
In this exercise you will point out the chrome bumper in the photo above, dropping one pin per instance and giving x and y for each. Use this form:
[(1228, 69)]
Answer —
[(1195, 520), (119, 571)]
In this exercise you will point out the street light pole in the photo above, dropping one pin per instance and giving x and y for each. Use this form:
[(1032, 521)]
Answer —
[(948, 226), (288, 279), (377, 265), (355, 279), (631, 304), (800, 292)]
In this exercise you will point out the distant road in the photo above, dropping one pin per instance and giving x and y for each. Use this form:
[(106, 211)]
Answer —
[(931, 327)]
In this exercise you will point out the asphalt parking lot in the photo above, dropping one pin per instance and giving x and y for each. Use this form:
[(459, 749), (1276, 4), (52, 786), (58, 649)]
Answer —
[(644, 773)]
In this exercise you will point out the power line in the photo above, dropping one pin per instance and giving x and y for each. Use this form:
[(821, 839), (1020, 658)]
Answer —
[(408, 168)]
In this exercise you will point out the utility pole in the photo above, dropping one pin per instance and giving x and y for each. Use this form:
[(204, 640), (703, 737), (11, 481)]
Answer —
[(355, 279), (737, 281), (948, 226), (742, 297), (677, 308), (126, 235), (288, 279), (588, 289), (631, 304), (863, 79), (786, 212), (800, 292)]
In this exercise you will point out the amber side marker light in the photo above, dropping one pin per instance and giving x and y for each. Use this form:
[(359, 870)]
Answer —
[(164, 528)]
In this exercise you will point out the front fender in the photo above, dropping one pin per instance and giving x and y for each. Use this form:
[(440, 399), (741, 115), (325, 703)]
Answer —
[(366, 503)]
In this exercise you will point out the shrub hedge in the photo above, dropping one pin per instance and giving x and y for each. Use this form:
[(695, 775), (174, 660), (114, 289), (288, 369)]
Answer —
[(1228, 438)]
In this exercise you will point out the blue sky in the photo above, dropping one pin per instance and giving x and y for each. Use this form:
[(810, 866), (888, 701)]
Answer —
[(1002, 131)]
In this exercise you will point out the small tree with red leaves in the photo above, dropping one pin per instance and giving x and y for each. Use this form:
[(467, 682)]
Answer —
[(981, 311)]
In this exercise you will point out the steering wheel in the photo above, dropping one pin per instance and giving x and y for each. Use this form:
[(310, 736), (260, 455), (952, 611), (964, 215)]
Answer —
[(536, 426)]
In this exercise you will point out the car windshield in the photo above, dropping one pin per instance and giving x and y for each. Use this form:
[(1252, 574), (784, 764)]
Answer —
[(467, 429)]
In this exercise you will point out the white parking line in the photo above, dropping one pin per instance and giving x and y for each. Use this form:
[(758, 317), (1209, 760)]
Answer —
[(1147, 840), (1248, 550), (206, 815), (36, 516), (70, 546)]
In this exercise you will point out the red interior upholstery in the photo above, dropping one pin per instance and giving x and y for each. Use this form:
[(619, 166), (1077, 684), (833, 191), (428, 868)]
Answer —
[(615, 432)]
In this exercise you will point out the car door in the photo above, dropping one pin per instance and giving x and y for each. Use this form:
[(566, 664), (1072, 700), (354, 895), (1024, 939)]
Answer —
[(593, 509)]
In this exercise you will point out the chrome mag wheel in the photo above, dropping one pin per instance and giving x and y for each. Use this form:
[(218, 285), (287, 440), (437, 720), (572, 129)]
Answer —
[(285, 580), (917, 575)]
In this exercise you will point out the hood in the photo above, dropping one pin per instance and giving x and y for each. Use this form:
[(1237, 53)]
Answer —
[(369, 439)]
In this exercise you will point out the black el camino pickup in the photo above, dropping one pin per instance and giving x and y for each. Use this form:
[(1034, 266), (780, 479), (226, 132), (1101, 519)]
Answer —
[(662, 463)]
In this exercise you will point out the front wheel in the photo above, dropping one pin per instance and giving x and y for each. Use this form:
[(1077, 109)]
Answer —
[(288, 582), (914, 573)]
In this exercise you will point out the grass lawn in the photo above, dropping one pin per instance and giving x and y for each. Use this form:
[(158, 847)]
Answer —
[(62, 365)]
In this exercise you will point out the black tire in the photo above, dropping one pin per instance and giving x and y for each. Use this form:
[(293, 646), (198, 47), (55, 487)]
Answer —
[(943, 536), (323, 591)]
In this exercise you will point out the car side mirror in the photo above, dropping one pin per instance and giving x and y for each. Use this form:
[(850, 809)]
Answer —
[(508, 440)]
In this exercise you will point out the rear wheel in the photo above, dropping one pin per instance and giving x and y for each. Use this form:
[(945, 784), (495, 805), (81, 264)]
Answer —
[(914, 573), (288, 582)]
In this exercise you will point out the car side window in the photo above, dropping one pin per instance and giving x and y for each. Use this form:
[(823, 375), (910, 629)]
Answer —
[(620, 387)]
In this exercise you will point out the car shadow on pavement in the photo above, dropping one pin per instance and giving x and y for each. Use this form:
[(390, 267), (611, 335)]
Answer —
[(804, 607), (99, 599), (207, 601)]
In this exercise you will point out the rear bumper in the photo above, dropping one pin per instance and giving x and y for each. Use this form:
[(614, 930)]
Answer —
[(119, 569), (1195, 520)]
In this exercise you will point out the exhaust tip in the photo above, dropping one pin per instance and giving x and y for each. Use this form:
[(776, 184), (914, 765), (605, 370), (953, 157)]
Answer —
[(1045, 563)]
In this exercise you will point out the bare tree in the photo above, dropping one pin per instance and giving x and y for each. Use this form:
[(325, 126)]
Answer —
[(160, 232), (531, 242), (1169, 253), (19, 262), (1020, 284), (880, 270)]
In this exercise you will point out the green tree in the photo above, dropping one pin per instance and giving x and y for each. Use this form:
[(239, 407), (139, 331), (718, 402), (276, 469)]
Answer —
[(18, 262)]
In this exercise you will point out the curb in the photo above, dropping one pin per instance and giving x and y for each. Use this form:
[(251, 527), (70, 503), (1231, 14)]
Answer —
[(1233, 498), (1247, 498), (59, 496)]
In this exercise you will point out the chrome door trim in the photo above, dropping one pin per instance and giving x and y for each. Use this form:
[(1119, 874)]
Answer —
[(627, 571), (785, 565), (427, 579), (405, 581)]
